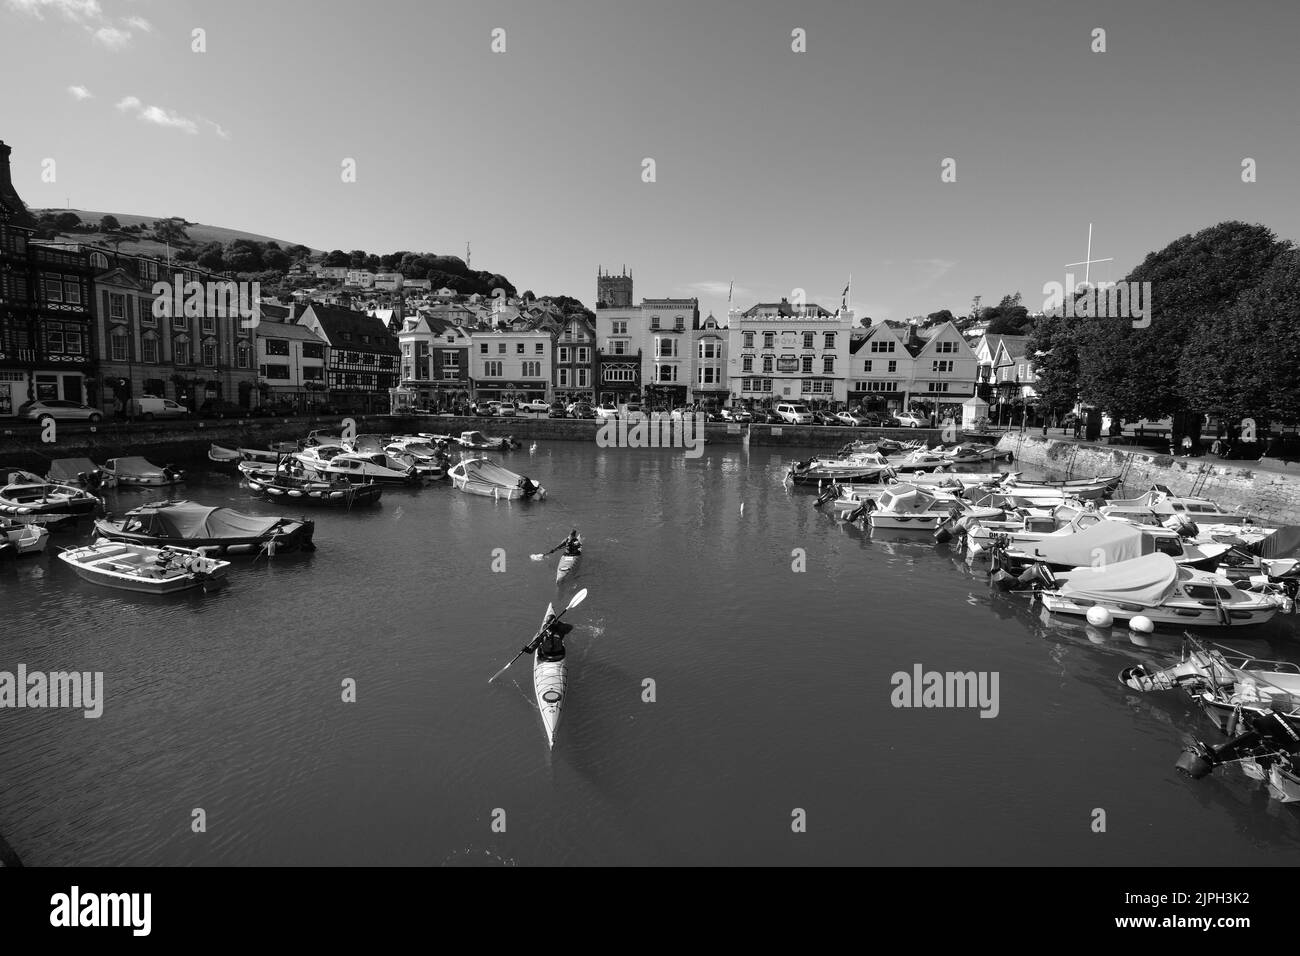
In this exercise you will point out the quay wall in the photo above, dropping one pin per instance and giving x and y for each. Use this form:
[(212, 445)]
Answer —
[(188, 441), (1269, 489)]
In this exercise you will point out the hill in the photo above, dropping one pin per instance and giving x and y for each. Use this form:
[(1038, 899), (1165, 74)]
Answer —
[(138, 233)]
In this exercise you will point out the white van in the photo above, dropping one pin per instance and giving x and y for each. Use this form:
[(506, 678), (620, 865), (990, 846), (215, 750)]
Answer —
[(795, 413), (150, 407)]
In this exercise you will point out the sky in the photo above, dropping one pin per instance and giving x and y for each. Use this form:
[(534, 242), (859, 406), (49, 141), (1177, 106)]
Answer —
[(773, 169)]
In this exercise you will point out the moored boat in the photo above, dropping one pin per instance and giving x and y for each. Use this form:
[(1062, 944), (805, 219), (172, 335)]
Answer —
[(336, 461), (144, 569), (906, 507), (483, 476), (479, 442), (319, 493), (25, 538), (80, 473), (860, 466), (188, 524), (32, 499), (139, 472)]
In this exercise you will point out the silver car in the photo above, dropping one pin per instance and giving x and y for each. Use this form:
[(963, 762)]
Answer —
[(59, 410)]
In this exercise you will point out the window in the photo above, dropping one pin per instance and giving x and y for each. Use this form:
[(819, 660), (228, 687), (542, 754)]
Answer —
[(210, 354), (665, 348), (747, 363), (562, 356), (817, 386), (748, 338), (385, 361), (352, 358), (807, 364), (584, 378), (946, 348), (347, 336), (501, 348), (562, 377), (539, 348), (828, 364), (482, 348), (866, 366), (181, 352), (769, 340), (365, 340), (492, 369), (99, 261), (767, 363), (944, 365), (277, 346), (760, 385), (584, 355), (665, 373), (52, 287), (519, 348), (708, 375), (179, 322), (830, 340), (616, 347), (241, 355), (618, 328), (314, 350), (150, 348), (117, 343), (209, 323), (882, 345), (532, 369), (808, 338), (708, 350), (279, 373), (116, 305), (654, 322), (146, 313)]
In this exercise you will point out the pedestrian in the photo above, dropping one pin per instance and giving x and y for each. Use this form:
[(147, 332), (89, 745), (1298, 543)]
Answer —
[(118, 407), (1187, 446), (1078, 427), (1216, 448)]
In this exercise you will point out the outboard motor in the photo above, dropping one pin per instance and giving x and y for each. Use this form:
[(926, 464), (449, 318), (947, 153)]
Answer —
[(832, 492), (1267, 734), (171, 472), (861, 511), (1184, 525), (529, 487)]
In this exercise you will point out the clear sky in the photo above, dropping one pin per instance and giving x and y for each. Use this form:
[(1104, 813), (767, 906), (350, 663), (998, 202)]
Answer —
[(777, 169)]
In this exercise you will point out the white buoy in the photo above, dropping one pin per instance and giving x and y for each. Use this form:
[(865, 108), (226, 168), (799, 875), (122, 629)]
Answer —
[(742, 507), (1142, 624), (1099, 616)]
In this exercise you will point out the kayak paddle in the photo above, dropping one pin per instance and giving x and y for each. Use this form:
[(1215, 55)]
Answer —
[(577, 599)]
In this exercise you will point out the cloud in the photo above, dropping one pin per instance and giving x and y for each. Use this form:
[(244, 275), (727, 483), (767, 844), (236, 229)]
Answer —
[(157, 115), (218, 129), (80, 92), (90, 16)]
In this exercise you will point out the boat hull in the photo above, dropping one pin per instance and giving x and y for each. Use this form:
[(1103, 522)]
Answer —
[(298, 538), (550, 683), (1173, 615), (127, 567), (568, 567)]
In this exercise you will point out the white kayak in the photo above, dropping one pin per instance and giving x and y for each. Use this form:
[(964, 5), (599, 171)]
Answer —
[(549, 683), (568, 565)]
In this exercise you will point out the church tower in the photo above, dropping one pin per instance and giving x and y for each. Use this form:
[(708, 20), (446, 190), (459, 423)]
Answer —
[(613, 291)]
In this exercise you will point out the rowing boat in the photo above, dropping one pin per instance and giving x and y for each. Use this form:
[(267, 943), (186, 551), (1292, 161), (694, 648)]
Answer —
[(549, 683), (568, 564)]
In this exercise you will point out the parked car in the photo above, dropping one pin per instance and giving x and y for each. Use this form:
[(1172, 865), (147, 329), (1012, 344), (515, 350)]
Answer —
[(849, 418), (59, 410), (150, 407), (218, 408), (794, 413), (881, 420), (535, 407), (605, 410), (909, 420), (769, 417), (271, 409), (825, 418), (506, 410), (557, 410), (582, 410), (734, 413), (633, 411)]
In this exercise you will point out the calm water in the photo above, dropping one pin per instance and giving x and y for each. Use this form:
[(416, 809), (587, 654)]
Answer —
[(772, 693)]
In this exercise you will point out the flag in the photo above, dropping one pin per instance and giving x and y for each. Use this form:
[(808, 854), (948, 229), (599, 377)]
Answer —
[(731, 290)]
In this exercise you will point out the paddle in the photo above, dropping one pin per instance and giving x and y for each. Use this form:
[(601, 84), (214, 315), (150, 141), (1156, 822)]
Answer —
[(577, 599)]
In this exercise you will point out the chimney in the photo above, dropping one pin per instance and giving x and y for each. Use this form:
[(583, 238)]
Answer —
[(9, 197)]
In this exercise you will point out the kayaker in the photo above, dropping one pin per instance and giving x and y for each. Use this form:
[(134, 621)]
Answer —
[(550, 639), (572, 545)]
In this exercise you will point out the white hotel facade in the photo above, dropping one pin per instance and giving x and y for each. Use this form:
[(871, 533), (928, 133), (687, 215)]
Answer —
[(781, 352)]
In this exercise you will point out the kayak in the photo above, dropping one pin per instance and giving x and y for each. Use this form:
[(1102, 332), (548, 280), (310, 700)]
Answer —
[(549, 684), (568, 565)]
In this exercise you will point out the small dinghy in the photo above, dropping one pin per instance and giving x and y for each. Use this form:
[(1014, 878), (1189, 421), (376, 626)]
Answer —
[(480, 442), (142, 473), (80, 473), (146, 570), (188, 524), (34, 500), (483, 476), (25, 538)]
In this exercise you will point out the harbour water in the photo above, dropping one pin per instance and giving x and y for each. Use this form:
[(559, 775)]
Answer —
[(771, 695)]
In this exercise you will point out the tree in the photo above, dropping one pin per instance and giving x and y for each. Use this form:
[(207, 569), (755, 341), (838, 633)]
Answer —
[(275, 258), (67, 221), (242, 255), (937, 318), (336, 258), (169, 230), (1008, 317), (211, 258), (1055, 354), (109, 224)]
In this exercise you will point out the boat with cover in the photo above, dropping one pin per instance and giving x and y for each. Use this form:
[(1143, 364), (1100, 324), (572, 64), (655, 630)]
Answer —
[(188, 524), (483, 476), (25, 538), (1153, 585), (1088, 543), (141, 473), (550, 682), (32, 499), (480, 442), (147, 570), (315, 492), (80, 473)]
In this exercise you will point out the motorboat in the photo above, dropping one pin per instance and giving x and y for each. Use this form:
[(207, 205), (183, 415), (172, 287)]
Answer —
[(139, 472), (1153, 585), (188, 524), (25, 538), (886, 446), (338, 493), (144, 569), (80, 473), (483, 476), (430, 456), (1109, 482), (1265, 743), (969, 453), (33, 499), (337, 461), (857, 467), (907, 507), (1165, 503), (1222, 679), (428, 469), (1100, 543), (477, 441), (230, 459)]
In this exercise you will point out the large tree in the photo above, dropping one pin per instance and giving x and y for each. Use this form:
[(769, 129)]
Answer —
[(1053, 346)]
